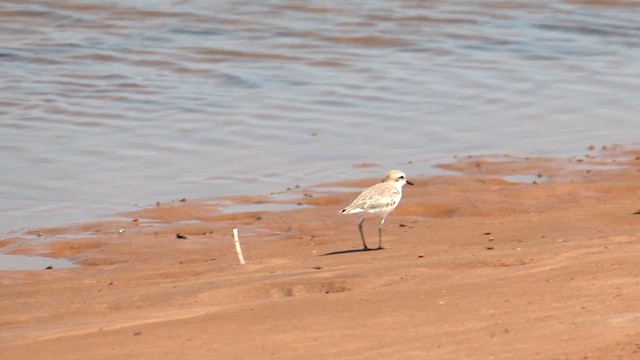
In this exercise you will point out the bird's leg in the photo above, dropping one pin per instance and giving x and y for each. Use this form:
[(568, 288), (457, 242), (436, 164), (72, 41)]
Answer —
[(380, 235), (362, 234)]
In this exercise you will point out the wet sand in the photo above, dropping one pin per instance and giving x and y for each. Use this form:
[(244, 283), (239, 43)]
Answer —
[(476, 267)]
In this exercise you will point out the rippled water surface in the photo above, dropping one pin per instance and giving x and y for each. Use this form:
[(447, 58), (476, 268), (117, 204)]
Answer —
[(109, 105)]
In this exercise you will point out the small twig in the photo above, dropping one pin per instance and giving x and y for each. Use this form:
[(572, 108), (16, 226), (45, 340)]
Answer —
[(238, 248)]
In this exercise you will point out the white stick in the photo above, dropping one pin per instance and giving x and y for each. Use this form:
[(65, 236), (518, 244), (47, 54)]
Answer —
[(238, 248)]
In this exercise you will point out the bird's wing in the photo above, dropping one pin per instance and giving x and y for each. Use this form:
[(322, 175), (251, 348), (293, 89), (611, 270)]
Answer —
[(379, 196)]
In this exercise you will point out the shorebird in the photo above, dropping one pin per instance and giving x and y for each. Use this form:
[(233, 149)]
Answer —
[(378, 201)]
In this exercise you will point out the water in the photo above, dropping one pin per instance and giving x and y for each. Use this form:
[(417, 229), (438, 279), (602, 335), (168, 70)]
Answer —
[(24, 262), (110, 105)]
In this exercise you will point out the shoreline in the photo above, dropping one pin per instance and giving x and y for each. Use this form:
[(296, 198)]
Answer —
[(478, 266)]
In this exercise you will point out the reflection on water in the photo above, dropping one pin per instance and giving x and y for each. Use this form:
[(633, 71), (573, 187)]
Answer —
[(105, 105)]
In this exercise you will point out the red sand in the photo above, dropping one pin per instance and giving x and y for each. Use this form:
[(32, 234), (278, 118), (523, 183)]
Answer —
[(478, 267)]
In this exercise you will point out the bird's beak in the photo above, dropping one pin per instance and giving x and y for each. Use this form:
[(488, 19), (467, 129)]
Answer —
[(409, 182)]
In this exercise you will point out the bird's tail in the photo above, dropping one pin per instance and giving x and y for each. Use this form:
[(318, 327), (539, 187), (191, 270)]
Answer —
[(350, 210)]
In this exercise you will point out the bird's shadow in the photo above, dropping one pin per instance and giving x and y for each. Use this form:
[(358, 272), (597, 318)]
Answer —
[(351, 251)]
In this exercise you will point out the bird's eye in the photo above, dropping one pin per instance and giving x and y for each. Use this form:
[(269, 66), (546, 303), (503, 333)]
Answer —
[(401, 177)]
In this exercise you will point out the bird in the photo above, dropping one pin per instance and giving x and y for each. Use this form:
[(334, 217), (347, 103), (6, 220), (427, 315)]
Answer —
[(378, 201)]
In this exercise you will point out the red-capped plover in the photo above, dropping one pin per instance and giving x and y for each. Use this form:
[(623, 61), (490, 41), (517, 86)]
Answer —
[(378, 201)]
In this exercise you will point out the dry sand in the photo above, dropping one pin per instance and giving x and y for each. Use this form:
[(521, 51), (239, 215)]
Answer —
[(478, 267)]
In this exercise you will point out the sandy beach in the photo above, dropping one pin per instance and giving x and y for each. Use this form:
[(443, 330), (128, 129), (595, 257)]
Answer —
[(502, 258)]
